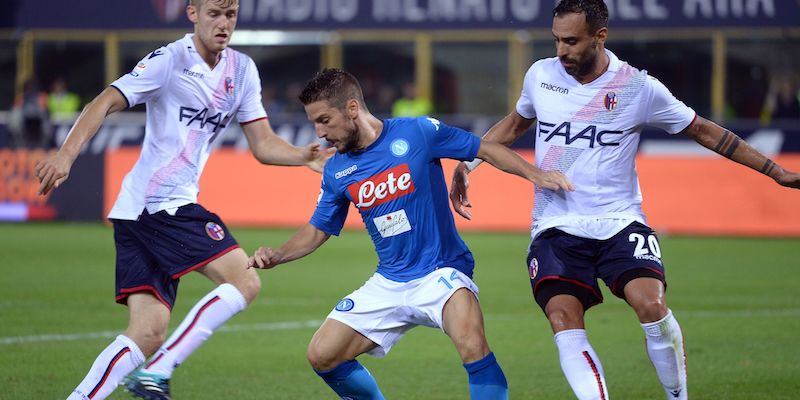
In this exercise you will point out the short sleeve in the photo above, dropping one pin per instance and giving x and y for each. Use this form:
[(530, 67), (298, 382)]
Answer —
[(665, 111), (147, 78), (251, 108), (525, 106), (449, 142), (331, 211)]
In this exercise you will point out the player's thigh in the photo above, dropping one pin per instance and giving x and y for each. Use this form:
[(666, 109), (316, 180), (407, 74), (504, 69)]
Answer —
[(148, 319), (462, 320), (231, 268), (335, 342), (562, 264), (631, 254)]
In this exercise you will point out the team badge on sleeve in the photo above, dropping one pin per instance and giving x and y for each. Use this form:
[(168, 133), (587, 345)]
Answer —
[(610, 101), (138, 69), (215, 231), (345, 305)]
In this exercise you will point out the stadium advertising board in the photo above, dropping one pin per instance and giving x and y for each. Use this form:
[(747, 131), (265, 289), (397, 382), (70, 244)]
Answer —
[(406, 14), (687, 189)]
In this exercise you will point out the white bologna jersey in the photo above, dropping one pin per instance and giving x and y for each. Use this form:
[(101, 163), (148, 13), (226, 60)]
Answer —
[(189, 105), (591, 134)]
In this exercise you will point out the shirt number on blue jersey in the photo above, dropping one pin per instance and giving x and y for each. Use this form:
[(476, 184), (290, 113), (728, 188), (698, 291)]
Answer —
[(652, 245), (453, 277)]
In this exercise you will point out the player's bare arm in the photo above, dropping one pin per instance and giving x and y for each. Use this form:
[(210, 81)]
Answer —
[(269, 148), (507, 160), (54, 170), (731, 146), (302, 243), (506, 131)]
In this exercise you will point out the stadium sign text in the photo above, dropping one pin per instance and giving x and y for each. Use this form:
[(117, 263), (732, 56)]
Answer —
[(409, 14)]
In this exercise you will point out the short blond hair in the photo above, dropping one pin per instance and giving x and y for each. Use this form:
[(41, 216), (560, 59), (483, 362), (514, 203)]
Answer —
[(222, 3)]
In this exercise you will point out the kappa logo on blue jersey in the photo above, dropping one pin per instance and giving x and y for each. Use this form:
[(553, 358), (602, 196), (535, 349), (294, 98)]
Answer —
[(347, 171), (399, 147), (345, 305), (435, 122), (215, 231)]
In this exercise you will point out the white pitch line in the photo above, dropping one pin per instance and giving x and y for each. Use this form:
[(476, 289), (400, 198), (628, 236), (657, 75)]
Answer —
[(288, 325), (269, 326)]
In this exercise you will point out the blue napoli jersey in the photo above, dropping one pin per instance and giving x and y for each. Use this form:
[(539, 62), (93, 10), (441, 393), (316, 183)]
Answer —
[(398, 186)]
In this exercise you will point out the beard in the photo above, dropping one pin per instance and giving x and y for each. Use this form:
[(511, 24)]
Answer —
[(350, 141), (585, 65)]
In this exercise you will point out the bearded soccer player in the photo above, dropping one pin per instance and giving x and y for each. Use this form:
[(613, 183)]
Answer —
[(591, 107), (194, 88), (391, 171)]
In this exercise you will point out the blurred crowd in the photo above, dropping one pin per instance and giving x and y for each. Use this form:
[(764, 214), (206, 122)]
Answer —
[(35, 110)]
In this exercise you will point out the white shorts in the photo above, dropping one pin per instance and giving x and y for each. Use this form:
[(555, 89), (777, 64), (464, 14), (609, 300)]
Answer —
[(384, 310)]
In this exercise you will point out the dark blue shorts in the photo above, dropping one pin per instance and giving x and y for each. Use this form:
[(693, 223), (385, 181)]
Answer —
[(155, 251), (560, 263)]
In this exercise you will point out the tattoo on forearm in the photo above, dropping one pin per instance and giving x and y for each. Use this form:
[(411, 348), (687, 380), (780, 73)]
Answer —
[(767, 168), (727, 144)]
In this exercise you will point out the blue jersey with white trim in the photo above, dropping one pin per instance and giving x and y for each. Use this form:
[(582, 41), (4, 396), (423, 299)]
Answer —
[(398, 186)]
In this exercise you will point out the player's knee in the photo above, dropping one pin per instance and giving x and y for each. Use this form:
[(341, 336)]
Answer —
[(320, 360), (562, 318), (651, 310), (149, 339), (249, 286), (473, 349)]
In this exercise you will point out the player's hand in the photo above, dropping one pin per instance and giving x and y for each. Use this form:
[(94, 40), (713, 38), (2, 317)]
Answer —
[(553, 180), (263, 258), (317, 157), (53, 171), (458, 191), (789, 179)]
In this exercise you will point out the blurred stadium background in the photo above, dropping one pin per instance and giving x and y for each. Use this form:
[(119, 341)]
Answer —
[(734, 61)]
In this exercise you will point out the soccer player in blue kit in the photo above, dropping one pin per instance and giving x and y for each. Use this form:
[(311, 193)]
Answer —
[(590, 107), (194, 88), (391, 171)]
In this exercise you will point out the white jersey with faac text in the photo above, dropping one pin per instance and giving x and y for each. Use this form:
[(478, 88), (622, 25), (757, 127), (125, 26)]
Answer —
[(590, 132), (189, 105)]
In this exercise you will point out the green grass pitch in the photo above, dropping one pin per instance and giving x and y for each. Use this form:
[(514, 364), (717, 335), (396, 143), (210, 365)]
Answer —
[(737, 301)]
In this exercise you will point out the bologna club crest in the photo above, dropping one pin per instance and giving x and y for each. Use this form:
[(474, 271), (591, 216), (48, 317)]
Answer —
[(215, 231), (229, 85), (610, 101), (533, 268)]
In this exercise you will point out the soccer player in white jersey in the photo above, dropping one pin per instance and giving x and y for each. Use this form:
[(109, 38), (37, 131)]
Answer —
[(590, 108), (194, 88)]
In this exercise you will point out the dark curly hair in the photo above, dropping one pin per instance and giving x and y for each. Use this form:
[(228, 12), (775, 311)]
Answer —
[(595, 11)]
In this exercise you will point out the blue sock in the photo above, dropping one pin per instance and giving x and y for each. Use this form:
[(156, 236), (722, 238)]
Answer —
[(352, 381), (486, 379)]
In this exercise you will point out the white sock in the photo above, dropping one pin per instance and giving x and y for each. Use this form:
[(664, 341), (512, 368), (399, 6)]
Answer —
[(665, 347), (112, 365), (581, 365), (205, 317)]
